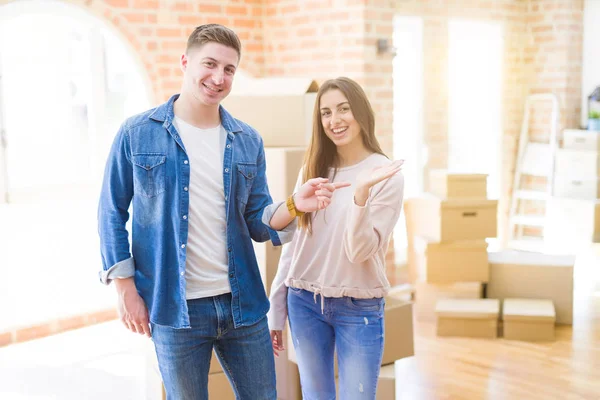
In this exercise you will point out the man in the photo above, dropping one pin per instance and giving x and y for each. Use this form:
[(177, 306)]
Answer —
[(195, 177)]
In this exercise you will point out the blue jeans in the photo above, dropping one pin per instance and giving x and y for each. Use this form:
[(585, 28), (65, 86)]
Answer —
[(354, 327), (246, 353)]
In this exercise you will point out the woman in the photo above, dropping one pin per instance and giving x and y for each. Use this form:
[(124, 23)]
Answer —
[(331, 278)]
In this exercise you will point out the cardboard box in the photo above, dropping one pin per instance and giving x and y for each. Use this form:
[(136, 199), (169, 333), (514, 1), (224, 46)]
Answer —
[(452, 220), (399, 338), (219, 387), (448, 185), (571, 224), (267, 257), (467, 317), (427, 295), (283, 166), (280, 109), (577, 163), (386, 383), (578, 139), (451, 262), (567, 186), (411, 226), (530, 275), (399, 341), (527, 319)]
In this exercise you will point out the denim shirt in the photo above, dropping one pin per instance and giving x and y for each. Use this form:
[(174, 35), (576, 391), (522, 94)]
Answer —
[(148, 168)]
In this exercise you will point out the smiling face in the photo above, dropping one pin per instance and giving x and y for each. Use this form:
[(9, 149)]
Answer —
[(208, 72), (337, 119)]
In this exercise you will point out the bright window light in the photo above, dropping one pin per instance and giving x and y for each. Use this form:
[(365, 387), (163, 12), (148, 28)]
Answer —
[(408, 114), (475, 108)]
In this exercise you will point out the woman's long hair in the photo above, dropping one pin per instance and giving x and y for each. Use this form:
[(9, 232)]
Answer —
[(322, 153)]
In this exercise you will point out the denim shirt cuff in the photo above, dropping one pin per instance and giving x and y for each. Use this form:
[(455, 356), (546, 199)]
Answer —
[(286, 234), (122, 269)]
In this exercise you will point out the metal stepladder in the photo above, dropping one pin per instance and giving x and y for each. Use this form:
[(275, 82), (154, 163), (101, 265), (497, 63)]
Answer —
[(536, 159)]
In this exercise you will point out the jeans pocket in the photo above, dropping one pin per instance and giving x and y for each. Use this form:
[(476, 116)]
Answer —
[(373, 304), (149, 174), (295, 290)]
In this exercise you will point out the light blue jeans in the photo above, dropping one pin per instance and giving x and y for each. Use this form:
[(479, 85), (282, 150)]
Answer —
[(246, 353), (353, 327)]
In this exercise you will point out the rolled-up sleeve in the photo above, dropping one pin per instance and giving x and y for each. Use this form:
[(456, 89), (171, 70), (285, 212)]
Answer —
[(286, 234), (113, 214)]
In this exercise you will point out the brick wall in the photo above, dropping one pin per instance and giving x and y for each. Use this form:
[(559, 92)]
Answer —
[(157, 31), (326, 39)]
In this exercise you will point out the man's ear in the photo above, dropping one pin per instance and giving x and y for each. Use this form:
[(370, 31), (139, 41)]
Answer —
[(183, 62)]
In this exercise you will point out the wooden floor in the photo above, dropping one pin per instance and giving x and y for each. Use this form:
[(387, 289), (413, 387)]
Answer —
[(461, 368)]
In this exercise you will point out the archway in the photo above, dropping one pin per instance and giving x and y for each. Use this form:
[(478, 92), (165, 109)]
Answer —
[(68, 81)]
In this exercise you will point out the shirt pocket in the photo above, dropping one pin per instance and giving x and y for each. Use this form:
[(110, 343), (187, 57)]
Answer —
[(149, 174), (246, 172)]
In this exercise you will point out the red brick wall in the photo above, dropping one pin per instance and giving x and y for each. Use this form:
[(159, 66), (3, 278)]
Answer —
[(555, 51), (157, 31), (326, 39)]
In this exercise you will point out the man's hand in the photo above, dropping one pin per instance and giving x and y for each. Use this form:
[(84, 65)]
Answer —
[(316, 194), (277, 341), (132, 310)]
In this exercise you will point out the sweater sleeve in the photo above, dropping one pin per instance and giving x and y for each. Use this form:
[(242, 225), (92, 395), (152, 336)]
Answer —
[(370, 226), (277, 314)]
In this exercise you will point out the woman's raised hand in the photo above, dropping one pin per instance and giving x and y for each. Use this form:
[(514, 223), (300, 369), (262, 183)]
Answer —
[(370, 177)]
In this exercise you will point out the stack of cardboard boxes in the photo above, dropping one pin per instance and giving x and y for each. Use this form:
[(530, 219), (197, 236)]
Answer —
[(447, 228), (573, 215), (449, 261)]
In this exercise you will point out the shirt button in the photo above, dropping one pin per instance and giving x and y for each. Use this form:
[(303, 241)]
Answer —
[(226, 169), (231, 275), (185, 188), (182, 273), (186, 162), (229, 249), (183, 246), (185, 217), (228, 146)]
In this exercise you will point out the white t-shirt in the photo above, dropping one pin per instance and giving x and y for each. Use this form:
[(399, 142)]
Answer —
[(206, 267)]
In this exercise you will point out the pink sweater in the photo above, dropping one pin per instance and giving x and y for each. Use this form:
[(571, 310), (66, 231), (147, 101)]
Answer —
[(345, 255)]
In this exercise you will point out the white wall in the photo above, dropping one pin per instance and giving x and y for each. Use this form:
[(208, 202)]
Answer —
[(591, 53)]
